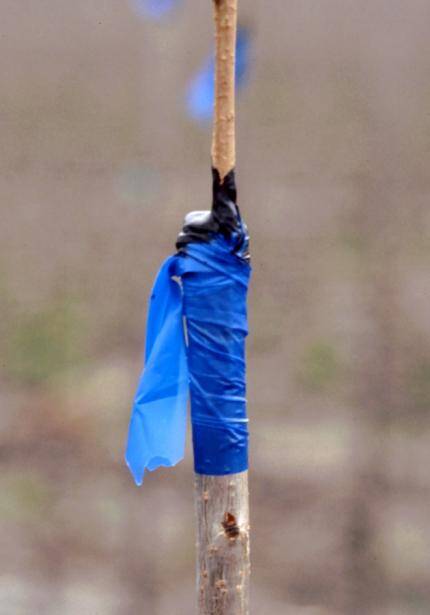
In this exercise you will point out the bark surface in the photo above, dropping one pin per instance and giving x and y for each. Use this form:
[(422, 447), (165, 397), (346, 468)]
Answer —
[(223, 138), (223, 564)]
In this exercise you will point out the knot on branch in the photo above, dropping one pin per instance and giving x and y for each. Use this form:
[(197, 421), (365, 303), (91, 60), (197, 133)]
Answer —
[(230, 526)]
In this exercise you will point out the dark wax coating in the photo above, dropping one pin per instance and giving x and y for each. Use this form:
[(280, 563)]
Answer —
[(223, 218)]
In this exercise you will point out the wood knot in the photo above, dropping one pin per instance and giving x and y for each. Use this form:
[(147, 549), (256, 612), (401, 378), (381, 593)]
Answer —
[(230, 526)]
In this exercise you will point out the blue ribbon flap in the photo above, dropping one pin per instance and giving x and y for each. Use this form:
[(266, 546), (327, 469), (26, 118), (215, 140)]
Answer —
[(158, 422)]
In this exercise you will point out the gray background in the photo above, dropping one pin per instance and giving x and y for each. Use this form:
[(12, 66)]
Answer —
[(98, 165)]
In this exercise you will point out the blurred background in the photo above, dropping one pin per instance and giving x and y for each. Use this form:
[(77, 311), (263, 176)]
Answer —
[(105, 146)]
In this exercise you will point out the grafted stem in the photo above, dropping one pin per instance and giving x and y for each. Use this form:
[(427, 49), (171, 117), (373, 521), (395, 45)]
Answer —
[(223, 137), (223, 562)]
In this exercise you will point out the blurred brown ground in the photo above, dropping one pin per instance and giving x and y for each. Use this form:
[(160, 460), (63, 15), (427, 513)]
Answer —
[(98, 165)]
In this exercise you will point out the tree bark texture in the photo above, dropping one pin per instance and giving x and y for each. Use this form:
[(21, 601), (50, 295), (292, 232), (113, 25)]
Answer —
[(223, 565), (223, 137)]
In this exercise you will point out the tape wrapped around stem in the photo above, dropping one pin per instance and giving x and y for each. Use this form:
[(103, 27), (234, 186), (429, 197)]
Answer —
[(212, 265)]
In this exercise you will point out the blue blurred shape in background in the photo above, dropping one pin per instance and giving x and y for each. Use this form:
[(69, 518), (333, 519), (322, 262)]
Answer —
[(154, 9), (201, 91)]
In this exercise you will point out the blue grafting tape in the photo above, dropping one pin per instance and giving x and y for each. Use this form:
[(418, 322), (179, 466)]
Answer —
[(157, 429), (213, 301), (215, 283)]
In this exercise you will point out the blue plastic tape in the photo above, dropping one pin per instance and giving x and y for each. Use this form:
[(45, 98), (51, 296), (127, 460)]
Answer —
[(210, 366), (158, 420)]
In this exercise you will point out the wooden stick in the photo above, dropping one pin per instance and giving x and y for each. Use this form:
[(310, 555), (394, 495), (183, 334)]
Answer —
[(223, 136), (223, 563)]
